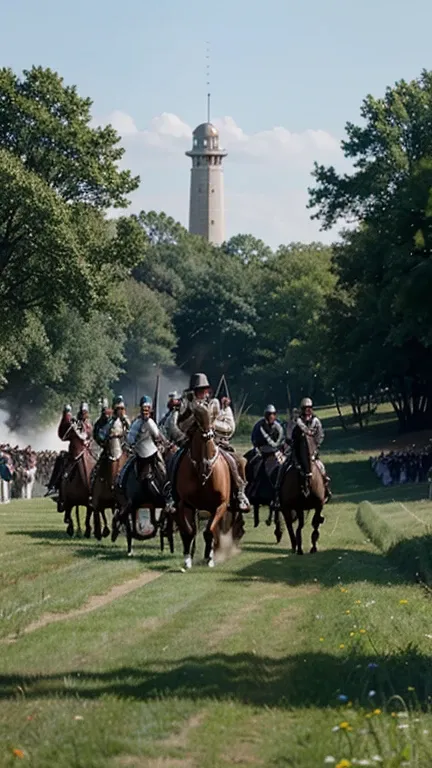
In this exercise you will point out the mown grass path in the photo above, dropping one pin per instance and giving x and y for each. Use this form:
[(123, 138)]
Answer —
[(255, 663)]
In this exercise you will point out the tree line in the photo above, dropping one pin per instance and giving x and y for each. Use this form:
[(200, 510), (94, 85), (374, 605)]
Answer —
[(92, 303)]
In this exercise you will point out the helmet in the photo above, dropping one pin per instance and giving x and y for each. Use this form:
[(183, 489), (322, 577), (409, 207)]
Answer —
[(145, 400), (306, 403), (174, 395), (104, 403), (269, 409), (84, 407), (118, 400), (198, 381)]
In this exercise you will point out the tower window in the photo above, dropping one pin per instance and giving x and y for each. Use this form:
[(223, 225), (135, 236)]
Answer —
[(212, 190), (205, 142), (212, 221)]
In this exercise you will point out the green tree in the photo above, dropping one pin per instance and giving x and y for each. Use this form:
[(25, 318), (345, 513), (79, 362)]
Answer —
[(384, 265)]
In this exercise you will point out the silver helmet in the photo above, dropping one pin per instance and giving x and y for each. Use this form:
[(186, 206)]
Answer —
[(306, 403), (269, 409)]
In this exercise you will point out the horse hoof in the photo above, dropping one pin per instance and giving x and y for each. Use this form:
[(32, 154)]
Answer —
[(87, 532), (293, 550), (313, 550), (69, 530), (268, 521), (106, 532), (256, 523), (300, 552), (130, 554), (211, 563), (78, 534), (278, 535), (114, 534), (188, 562)]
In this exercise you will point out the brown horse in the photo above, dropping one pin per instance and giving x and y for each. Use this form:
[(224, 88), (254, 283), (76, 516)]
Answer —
[(204, 483), (75, 482), (302, 489), (102, 489)]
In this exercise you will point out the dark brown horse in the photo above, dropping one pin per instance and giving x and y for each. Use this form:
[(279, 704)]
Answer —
[(102, 489), (75, 482), (302, 489), (204, 483)]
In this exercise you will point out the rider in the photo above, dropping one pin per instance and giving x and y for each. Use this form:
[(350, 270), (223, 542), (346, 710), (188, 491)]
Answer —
[(267, 434), (101, 422), (169, 423), (224, 427), (311, 423), (143, 436), (83, 428)]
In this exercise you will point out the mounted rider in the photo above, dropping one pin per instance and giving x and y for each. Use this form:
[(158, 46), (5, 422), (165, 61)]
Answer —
[(101, 422), (307, 421), (82, 427), (169, 422), (267, 435), (117, 426), (223, 425), (144, 436)]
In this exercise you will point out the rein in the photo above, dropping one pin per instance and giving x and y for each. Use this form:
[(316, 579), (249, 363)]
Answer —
[(209, 463)]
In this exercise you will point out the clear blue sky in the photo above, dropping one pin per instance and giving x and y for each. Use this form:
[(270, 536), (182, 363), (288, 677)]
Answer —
[(302, 65)]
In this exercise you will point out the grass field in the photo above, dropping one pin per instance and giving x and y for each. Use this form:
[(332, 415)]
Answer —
[(268, 660)]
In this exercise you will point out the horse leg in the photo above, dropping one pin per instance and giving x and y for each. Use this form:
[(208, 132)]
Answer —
[(300, 516), (270, 516), (278, 526), (256, 514), (316, 521), (105, 531), (69, 521), (87, 532), (290, 528), (96, 524), (214, 531), (128, 528), (78, 521), (186, 517)]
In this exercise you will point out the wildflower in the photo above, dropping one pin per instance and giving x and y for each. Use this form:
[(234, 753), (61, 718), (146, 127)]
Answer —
[(371, 694), (377, 711), (344, 763), (352, 634), (402, 714), (362, 631), (342, 697), (425, 732), (403, 602), (329, 759), (403, 726), (345, 726), (335, 729), (371, 602), (358, 602), (321, 639), (18, 753), (373, 665), (342, 645), (377, 759), (347, 612), (78, 717), (343, 589)]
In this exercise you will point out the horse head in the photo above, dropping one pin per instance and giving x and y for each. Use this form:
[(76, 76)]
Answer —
[(203, 449), (304, 447)]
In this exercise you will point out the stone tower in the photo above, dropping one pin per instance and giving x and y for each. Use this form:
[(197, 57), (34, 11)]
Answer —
[(206, 206)]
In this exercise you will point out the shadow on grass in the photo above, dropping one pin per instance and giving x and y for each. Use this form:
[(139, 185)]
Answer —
[(296, 680), (328, 568)]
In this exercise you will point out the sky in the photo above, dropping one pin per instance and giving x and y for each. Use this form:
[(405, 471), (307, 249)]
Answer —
[(285, 78)]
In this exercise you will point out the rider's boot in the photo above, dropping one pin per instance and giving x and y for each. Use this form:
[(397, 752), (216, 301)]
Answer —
[(241, 498), (169, 508)]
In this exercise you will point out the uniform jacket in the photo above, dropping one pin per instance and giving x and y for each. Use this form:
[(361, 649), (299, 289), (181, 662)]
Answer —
[(143, 436), (315, 428), (267, 437)]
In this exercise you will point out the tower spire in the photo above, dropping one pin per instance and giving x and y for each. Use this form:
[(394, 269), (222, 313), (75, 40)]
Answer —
[(208, 80)]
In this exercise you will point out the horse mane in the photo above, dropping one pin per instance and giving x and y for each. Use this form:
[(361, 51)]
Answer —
[(302, 449)]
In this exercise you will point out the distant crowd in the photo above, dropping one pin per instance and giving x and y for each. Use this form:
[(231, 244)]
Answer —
[(20, 468), (407, 466)]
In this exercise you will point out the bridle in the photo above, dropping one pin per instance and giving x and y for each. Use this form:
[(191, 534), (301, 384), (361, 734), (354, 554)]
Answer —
[(207, 465)]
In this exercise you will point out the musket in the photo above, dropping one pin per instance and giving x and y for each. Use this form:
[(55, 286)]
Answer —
[(156, 400)]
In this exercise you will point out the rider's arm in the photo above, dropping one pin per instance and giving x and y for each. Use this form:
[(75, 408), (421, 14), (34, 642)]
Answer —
[(268, 439), (133, 433), (319, 433)]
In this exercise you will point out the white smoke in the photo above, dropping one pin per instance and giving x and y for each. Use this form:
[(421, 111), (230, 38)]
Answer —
[(40, 439)]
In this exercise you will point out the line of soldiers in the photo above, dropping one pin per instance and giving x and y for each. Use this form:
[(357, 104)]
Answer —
[(145, 438)]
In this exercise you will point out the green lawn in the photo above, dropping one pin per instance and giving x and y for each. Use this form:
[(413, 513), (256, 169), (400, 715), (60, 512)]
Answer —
[(268, 660)]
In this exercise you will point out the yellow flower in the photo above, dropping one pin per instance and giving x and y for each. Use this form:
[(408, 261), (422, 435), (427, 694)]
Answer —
[(368, 716), (393, 714), (403, 602), (18, 753), (344, 763), (344, 589), (358, 602), (321, 639), (345, 726), (347, 612), (362, 631), (352, 634), (342, 645), (377, 711)]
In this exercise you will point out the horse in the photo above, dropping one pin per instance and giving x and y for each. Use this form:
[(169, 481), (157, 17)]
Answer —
[(261, 474), (203, 482), (302, 489), (102, 489), (139, 501), (75, 481)]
